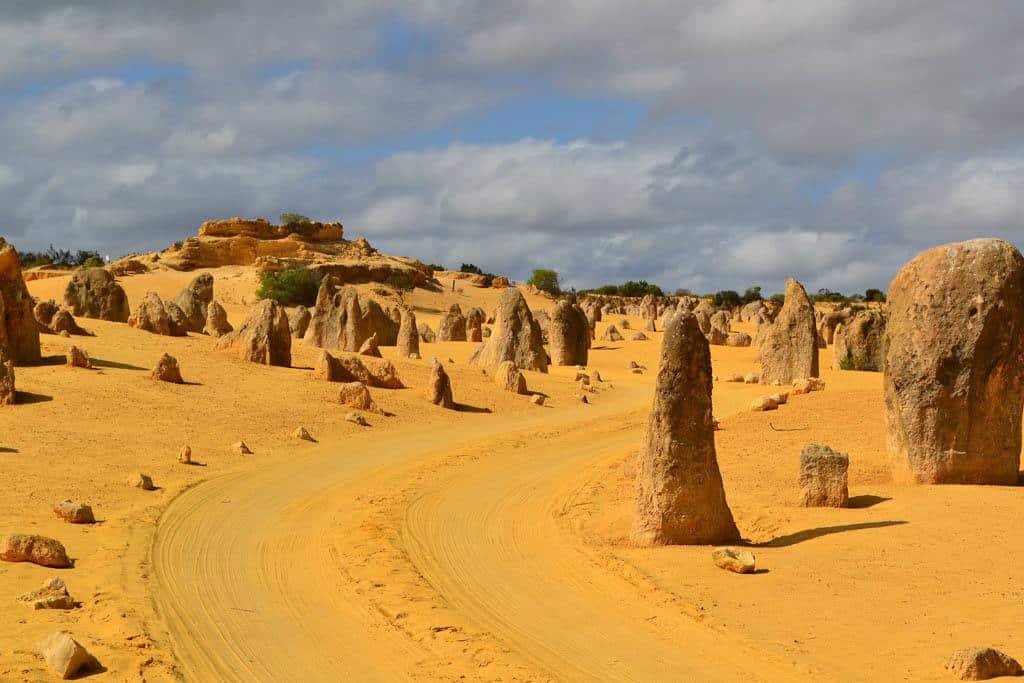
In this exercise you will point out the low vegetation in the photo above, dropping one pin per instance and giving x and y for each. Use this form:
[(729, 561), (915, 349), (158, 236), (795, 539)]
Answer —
[(546, 280), (628, 288), (292, 287), (475, 270), (294, 218), (60, 257)]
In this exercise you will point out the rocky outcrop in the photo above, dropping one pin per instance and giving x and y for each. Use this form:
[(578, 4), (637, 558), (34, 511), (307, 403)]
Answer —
[(830, 321), (153, 315), (982, 664), (516, 337), (859, 342), (298, 321), (8, 394), (569, 334), (789, 350), (954, 365), (53, 319), (217, 324), (823, 475), (321, 247), (194, 301), (680, 498), (408, 336), (341, 321), (649, 311), (510, 378), (167, 370), (439, 386), (93, 293), (452, 326), (264, 337), (19, 333)]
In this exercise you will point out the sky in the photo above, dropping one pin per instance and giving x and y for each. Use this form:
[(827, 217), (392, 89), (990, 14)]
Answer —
[(697, 144)]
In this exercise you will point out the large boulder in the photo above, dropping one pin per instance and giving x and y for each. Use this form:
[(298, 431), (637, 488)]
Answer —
[(452, 326), (510, 378), (41, 550), (264, 337), (789, 349), (298, 321), (680, 498), (823, 477), (426, 334), (830, 321), (982, 664), (516, 337), (93, 293), (194, 300), (19, 332), (954, 365), (152, 315), (569, 334), (342, 321), (408, 335), (859, 342)]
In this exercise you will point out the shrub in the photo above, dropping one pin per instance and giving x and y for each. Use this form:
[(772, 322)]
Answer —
[(874, 295), (780, 298), (292, 287), (854, 363), (399, 279), (628, 288), (728, 298), (545, 280), (93, 262), (291, 218), (435, 266), (752, 294), (58, 257), (470, 268)]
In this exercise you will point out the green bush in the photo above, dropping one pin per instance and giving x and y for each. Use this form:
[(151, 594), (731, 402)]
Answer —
[(728, 298), (93, 262), (628, 288), (874, 295), (854, 363), (292, 218), (292, 287), (399, 279), (545, 280), (752, 294), (435, 267)]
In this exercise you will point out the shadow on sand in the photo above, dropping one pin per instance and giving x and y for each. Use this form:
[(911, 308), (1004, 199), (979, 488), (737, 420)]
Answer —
[(809, 534)]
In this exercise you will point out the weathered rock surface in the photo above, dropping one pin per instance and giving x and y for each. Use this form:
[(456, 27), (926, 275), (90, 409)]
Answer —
[(65, 655), (569, 334), (789, 350), (452, 326), (264, 337), (153, 315), (734, 560), (510, 378), (954, 365), (426, 334), (52, 595), (611, 334), (298, 321), (8, 393), (19, 333), (356, 395), (217, 324), (342, 321), (741, 339), (78, 358), (46, 552), (516, 337), (138, 480), (439, 386), (369, 347), (859, 342), (981, 664), (167, 370), (93, 293), (408, 342), (680, 498), (823, 475), (74, 513), (53, 319), (194, 300)]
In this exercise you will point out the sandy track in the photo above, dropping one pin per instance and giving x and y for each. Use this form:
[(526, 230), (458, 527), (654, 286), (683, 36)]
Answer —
[(255, 581), (497, 541)]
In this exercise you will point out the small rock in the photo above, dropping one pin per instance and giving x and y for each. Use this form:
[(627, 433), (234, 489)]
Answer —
[(64, 654), (141, 481), (582, 377), (752, 378), (823, 477), (167, 370), (638, 336), (78, 358), (582, 398), (358, 419), (537, 400), (185, 455), (53, 595), (981, 664), (75, 513), (806, 386), (735, 560), (302, 433), (596, 376), (241, 448), (763, 403), (637, 371), (735, 377)]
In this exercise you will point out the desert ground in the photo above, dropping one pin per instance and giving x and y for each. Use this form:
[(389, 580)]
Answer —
[(486, 543)]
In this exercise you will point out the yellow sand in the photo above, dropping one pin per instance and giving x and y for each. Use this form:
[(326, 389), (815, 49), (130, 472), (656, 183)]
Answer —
[(486, 544)]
